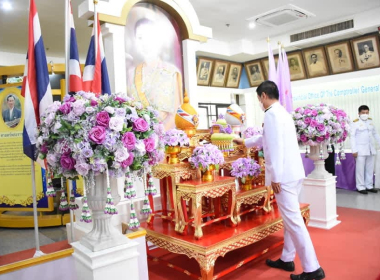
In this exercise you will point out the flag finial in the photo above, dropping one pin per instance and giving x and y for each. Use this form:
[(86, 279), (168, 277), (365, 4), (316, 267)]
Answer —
[(279, 43), (268, 40), (95, 2)]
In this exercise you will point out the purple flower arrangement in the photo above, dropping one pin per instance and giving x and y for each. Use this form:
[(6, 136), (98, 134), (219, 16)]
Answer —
[(320, 124), (252, 131), (87, 133), (206, 155), (243, 167), (175, 137)]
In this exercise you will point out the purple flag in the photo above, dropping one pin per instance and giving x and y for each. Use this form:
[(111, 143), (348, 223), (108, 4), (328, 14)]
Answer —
[(286, 84), (272, 76), (280, 77)]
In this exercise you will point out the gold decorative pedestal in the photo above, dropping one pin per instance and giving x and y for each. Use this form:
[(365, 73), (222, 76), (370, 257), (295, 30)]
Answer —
[(208, 175), (173, 154)]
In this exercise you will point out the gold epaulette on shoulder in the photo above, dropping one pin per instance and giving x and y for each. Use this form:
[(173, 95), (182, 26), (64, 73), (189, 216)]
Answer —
[(356, 120), (370, 119)]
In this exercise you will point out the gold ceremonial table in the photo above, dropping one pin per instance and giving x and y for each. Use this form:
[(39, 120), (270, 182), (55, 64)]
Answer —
[(169, 175), (196, 190)]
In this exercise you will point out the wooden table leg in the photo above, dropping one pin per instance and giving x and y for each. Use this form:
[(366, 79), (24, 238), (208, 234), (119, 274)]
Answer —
[(206, 264), (267, 204), (164, 197), (237, 212), (197, 206), (173, 200), (231, 206), (207, 275)]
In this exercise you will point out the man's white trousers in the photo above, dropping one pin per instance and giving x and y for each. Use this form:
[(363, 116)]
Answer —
[(364, 172), (296, 236)]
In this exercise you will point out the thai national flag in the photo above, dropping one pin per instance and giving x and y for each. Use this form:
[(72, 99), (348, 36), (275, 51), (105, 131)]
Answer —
[(36, 86), (95, 75), (74, 65)]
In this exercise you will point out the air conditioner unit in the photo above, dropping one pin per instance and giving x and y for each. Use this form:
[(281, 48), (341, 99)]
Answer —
[(281, 16)]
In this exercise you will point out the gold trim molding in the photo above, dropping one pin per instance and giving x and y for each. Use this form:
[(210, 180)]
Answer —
[(179, 16), (35, 261)]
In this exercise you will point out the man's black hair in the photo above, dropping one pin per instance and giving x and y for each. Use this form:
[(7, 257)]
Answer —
[(270, 88), (362, 108)]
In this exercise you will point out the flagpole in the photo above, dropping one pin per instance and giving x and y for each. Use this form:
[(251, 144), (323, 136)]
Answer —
[(67, 85), (38, 252), (96, 38), (34, 196), (67, 47)]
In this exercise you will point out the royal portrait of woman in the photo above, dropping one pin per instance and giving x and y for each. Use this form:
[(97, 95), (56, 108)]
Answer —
[(154, 60)]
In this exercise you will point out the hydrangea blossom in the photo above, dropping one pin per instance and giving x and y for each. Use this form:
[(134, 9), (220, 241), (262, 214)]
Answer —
[(320, 124), (175, 137), (206, 155), (85, 133), (243, 167)]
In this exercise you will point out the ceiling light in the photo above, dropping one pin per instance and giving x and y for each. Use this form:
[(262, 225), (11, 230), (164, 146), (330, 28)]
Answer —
[(7, 6), (252, 25)]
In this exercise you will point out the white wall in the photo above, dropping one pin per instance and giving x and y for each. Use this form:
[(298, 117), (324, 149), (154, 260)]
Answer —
[(346, 91)]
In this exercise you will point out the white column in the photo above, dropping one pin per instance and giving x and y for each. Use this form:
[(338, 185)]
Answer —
[(114, 48), (321, 195), (112, 263), (189, 48)]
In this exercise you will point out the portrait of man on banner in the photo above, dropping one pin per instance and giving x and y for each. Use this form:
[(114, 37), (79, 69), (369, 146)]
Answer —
[(11, 110), (154, 60)]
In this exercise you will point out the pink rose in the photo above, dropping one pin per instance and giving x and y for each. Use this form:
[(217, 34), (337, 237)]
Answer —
[(65, 108), (120, 99), (320, 139), (307, 111), (102, 119), (313, 123), (97, 134), (149, 144), (67, 162), (303, 138), (128, 161), (93, 103), (140, 125), (129, 140), (327, 135), (307, 121), (320, 127), (314, 113)]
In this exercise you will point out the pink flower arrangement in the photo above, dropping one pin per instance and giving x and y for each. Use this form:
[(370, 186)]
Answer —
[(320, 124), (243, 167), (175, 137), (206, 155), (86, 134)]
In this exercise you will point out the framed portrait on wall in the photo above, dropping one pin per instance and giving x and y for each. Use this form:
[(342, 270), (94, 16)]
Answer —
[(366, 51), (153, 58), (255, 72), (265, 63), (340, 57), (234, 74), (296, 66), (204, 70), (219, 74), (316, 62)]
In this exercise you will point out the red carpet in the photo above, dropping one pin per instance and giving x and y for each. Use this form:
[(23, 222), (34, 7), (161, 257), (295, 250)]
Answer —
[(350, 251)]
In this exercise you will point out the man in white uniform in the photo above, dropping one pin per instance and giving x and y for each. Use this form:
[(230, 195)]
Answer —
[(285, 173), (363, 149)]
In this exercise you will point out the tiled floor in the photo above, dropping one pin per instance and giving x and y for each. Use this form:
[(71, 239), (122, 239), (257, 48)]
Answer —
[(350, 199), (14, 240)]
